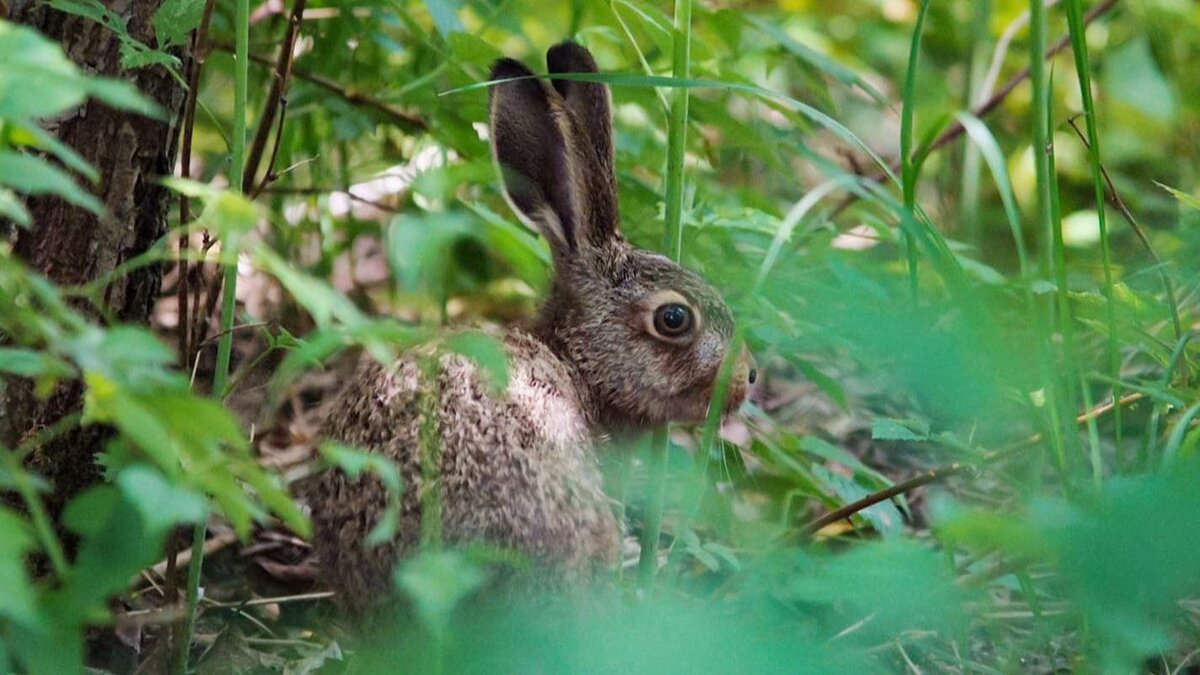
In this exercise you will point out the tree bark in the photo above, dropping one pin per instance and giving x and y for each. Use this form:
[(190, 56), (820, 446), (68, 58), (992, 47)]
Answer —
[(72, 246)]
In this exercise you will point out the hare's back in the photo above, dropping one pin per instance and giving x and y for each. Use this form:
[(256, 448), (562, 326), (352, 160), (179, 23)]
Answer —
[(514, 468)]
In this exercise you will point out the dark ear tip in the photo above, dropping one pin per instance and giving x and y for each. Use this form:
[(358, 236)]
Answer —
[(569, 56), (504, 69)]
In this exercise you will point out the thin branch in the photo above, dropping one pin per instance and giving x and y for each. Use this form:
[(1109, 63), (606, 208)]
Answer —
[(1119, 204), (270, 176), (199, 55), (923, 478), (279, 82), (408, 122), (953, 469), (320, 192)]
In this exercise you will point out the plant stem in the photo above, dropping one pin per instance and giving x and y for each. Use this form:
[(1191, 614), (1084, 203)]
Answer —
[(1082, 71), (673, 247), (1045, 212), (228, 301), (677, 130), (908, 166), (970, 167)]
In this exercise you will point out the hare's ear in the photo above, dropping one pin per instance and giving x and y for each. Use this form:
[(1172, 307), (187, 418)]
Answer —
[(590, 111), (589, 102), (532, 146)]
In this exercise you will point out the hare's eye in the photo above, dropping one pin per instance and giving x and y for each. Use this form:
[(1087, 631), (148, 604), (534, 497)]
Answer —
[(673, 320)]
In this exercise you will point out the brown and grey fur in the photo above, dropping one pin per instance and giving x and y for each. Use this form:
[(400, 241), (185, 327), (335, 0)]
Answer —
[(517, 469)]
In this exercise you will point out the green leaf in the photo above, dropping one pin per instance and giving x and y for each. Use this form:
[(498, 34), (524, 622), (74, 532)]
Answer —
[(29, 363), (839, 455), (37, 137), (884, 429), (29, 57), (1132, 77), (884, 516), (486, 351), (174, 19), (124, 96), (1185, 198), (18, 601), (161, 504), (353, 463), (34, 176), (136, 55), (900, 585), (436, 582), (419, 248), (12, 208)]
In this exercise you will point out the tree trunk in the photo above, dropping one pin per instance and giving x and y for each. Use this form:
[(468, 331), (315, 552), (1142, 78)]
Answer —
[(72, 246)]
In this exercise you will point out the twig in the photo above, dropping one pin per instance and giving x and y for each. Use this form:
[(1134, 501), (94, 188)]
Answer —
[(214, 544), (149, 617), (319, 192), (270, 176), (255, 602), (279, 82), (233, 329), (406, 121), (923, 478), (213, 295), (957, 129), (1119, 204), (952, 469)]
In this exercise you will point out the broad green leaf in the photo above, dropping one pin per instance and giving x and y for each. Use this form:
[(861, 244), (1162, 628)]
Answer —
[(318, 298), (419, 248), (161, 504), (29, 57)]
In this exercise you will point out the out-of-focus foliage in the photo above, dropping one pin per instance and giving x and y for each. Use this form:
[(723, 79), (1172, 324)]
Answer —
[(1073, 543)]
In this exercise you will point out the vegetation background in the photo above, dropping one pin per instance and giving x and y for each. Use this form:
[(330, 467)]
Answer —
[(962, 239)]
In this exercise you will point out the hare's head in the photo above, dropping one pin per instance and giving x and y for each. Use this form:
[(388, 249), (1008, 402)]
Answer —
[(645, 336)]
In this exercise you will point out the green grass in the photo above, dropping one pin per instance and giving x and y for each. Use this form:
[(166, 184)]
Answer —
[(966, 342)]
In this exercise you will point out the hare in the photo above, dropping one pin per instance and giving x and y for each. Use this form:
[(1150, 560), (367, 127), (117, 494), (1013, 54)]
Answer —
[(627, 340)]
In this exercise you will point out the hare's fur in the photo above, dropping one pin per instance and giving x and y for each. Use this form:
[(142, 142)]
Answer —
[(515, 471), (517, 468)]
